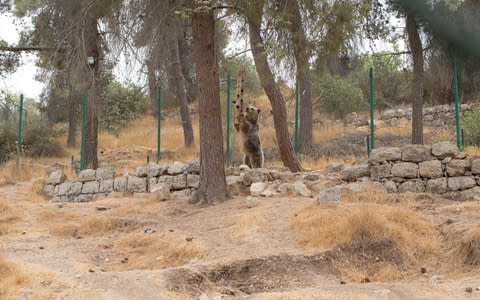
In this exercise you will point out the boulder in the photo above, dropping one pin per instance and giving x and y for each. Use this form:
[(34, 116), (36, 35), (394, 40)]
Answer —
[(354, 172), (160, 191), (120, 184), (84, 198), (383, 154), (472, 194), (56, 177), (87, 175), (137, 184), (251, 201), (437, 186), (391, 187), (90, 187), (76, 188), (153, 170), (302, 189), (415, 186), (458, 167), (416, 153), (49, 190), (106, 186), (257, 188), (105, 173), (179, 182), (332, 195), (177, 168), (476, 166), (380, 171), (166, 179), (193, 181), (142, 172), (431, 169), (334, 167), (405, 170), (460, 183), (444, 149), (193, 166), (64, 188)]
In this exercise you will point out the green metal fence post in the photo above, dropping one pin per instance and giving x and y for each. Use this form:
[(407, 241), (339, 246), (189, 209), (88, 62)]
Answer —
[(72, 164), (297, 86), (19, 133), (372, 107), (82, 147), (228, 121), (457, 114), (368, 145), (159, 120)]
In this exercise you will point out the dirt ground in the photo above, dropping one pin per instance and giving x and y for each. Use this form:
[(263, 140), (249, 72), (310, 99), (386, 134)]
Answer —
[(126, 247)]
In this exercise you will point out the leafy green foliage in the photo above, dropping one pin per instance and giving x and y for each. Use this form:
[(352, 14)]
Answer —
[(471, 125), (122, 104), (38, 139), (339, 95)]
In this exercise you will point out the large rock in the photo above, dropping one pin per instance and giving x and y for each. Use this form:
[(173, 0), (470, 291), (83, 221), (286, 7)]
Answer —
[(391, 187), (84, 198), (179, 182), (193, 181), (105, 173), (120, 184), (380, 171), (405, 170), (49, 190), (251, 201), (193, 166), (64, 188), (472, 194), (431, 169), (153, 170), (460, 183), (444, 149), (332, 195), (334, 167), (142, 172), (90, 187), (76, 188), (458, 167), (354, 172), (437, 186), (382, 154), (414, 186), (56, 177), (476, 166), (257, 188), (137, 184), (87, 175), (416, 153), (166, 179), (302, 189), (177, 168), (106, 186), (255, 175)]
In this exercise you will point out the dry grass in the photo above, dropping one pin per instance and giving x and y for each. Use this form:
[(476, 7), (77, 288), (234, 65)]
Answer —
[(8, 216), (11, 279), (245, 227), (466, 252), (24, 172), (413, 234), (304, 294), (154, 251)]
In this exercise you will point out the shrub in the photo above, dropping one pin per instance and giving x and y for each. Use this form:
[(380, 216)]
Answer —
[(471, 125), (38, 140), (339, 96), (122, 104)]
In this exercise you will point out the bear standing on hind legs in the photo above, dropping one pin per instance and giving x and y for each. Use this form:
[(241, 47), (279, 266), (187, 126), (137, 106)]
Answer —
[(246, 122)]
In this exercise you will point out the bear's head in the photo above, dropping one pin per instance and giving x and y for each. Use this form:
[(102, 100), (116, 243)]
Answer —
[(252, 113)]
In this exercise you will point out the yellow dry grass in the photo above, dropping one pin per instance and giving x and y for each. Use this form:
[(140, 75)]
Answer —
[(24, 172), (8, 216), (10, 279), (413, 234), (245, 228), (304, 294), (465, 254), (157, 250)]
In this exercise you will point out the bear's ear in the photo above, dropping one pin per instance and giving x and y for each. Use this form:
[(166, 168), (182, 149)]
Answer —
[(259, 110), (246, 109)]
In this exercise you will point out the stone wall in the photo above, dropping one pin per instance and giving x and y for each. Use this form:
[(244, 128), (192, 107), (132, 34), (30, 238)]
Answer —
[(436, 116), (177, 177), (418, 168)]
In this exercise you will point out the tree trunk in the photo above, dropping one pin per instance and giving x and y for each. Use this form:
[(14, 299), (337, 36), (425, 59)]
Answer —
[(179, 80), (186, 58), (302, 54), (213, 186), (91, 48), (417, 95), (271, 89)]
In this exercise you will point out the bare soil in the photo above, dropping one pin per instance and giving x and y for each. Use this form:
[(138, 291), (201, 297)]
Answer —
[(127, 247)]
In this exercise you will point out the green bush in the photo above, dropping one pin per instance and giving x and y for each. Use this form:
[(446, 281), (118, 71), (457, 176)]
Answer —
[(339, 96), (122, 104), (38, 140), (471, 126)]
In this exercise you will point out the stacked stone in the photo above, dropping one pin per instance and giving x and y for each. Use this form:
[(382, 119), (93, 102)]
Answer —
[(178, 177), (418, 168)]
